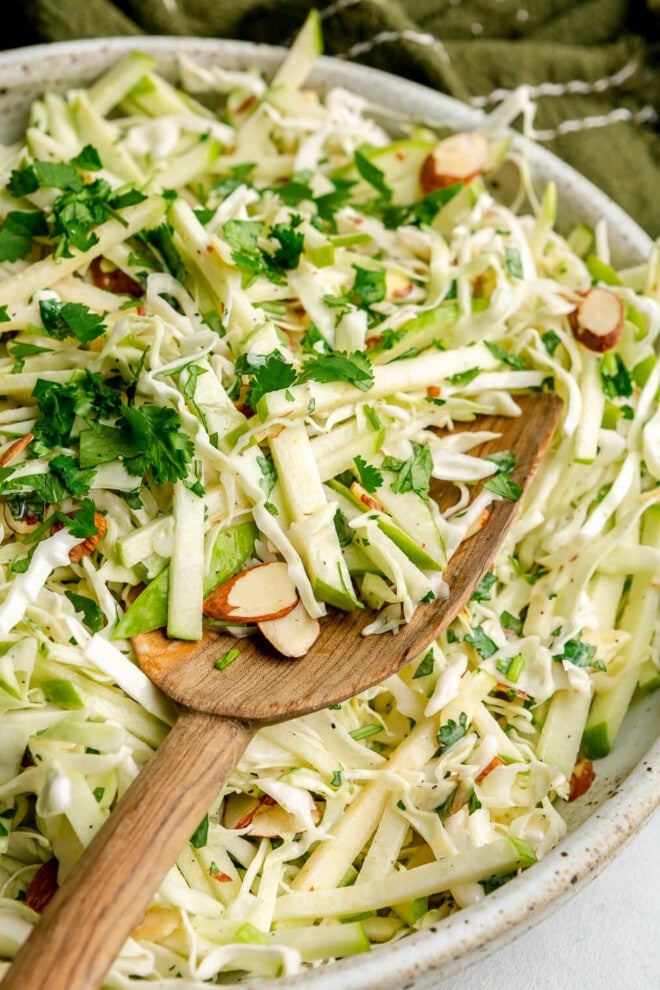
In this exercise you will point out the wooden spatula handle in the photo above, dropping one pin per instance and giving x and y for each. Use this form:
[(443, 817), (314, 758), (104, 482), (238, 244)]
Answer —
[(92, 914)]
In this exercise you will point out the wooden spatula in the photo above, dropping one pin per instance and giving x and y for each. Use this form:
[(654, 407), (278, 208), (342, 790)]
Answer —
[(84, 926)]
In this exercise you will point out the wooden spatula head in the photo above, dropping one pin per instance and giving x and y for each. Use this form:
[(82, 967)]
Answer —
[(261, 686)]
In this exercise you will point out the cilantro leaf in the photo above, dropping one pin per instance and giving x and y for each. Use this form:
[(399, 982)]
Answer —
[(370, 477), (76, 481), (20, 352), (18, 233), (163, 450), (89, 609), (57, 408), (615, 377), (243, 237), (160, 240), (368, 288), (513, 623), (83, 522), (451, 732), (23, 181), (464, 377), (506, 357), (482, 592), (425, 667), (482, 643), (579, 653), (372, 174), (329, 203), (270, 375), (413, 474), (290, 243), (513, 262), (339, 366), (501, 484), (70, 319), (88, 159)]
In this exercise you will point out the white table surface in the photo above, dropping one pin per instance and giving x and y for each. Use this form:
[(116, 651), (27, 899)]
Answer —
[(605, 937)]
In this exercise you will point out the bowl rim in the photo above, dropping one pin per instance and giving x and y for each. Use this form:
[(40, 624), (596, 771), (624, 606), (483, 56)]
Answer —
[(480, 929)]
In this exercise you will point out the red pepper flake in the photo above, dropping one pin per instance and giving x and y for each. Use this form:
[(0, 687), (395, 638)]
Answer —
[(221, 877)]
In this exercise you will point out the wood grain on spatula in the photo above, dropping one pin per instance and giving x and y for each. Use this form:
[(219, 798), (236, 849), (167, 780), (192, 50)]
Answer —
[(85, 924)]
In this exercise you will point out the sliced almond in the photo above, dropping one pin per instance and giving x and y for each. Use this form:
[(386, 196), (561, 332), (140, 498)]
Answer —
[(582, 778), (292, 634), (458, 158), (42, 886), (597, 321), (89, 545), (256, 594), (15, 448)]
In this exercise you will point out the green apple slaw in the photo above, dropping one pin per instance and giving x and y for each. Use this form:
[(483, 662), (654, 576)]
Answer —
[(238, 327)]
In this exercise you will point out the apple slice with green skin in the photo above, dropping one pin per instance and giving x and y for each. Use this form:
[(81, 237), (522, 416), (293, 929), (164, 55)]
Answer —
[(292, 634), (458, 158), (256, 594)]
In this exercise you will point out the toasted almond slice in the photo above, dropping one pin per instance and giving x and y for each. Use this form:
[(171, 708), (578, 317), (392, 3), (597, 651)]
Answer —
[(597, 321), (292, 634), (42, 886), (253, 595), (15, 448), (458, 158)]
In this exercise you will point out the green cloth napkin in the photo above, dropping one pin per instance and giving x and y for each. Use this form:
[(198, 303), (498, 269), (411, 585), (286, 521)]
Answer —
[(592, 64)]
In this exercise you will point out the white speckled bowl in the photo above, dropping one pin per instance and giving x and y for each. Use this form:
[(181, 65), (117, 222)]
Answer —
[(627, 787)]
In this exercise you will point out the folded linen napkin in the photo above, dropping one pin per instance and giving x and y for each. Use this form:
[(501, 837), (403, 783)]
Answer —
[(592, 65)]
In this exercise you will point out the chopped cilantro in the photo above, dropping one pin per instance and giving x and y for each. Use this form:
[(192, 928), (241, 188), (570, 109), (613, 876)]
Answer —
[(338, 366), (413, 474), (579, 653), (200, 836), (368, 287), (464, 377), (425, 667), (370, 477), (91, 613), (18, 233), (70, 319), (511, 622), (513, 262), (482, 592), (551, 341), (270, 374), (615, 377), (482, 643), (163, 450), (451, 732), (501, 484), (371, 174), (506, 357)]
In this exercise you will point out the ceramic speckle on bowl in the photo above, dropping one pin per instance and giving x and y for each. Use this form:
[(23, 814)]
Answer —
[(627, 789)]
